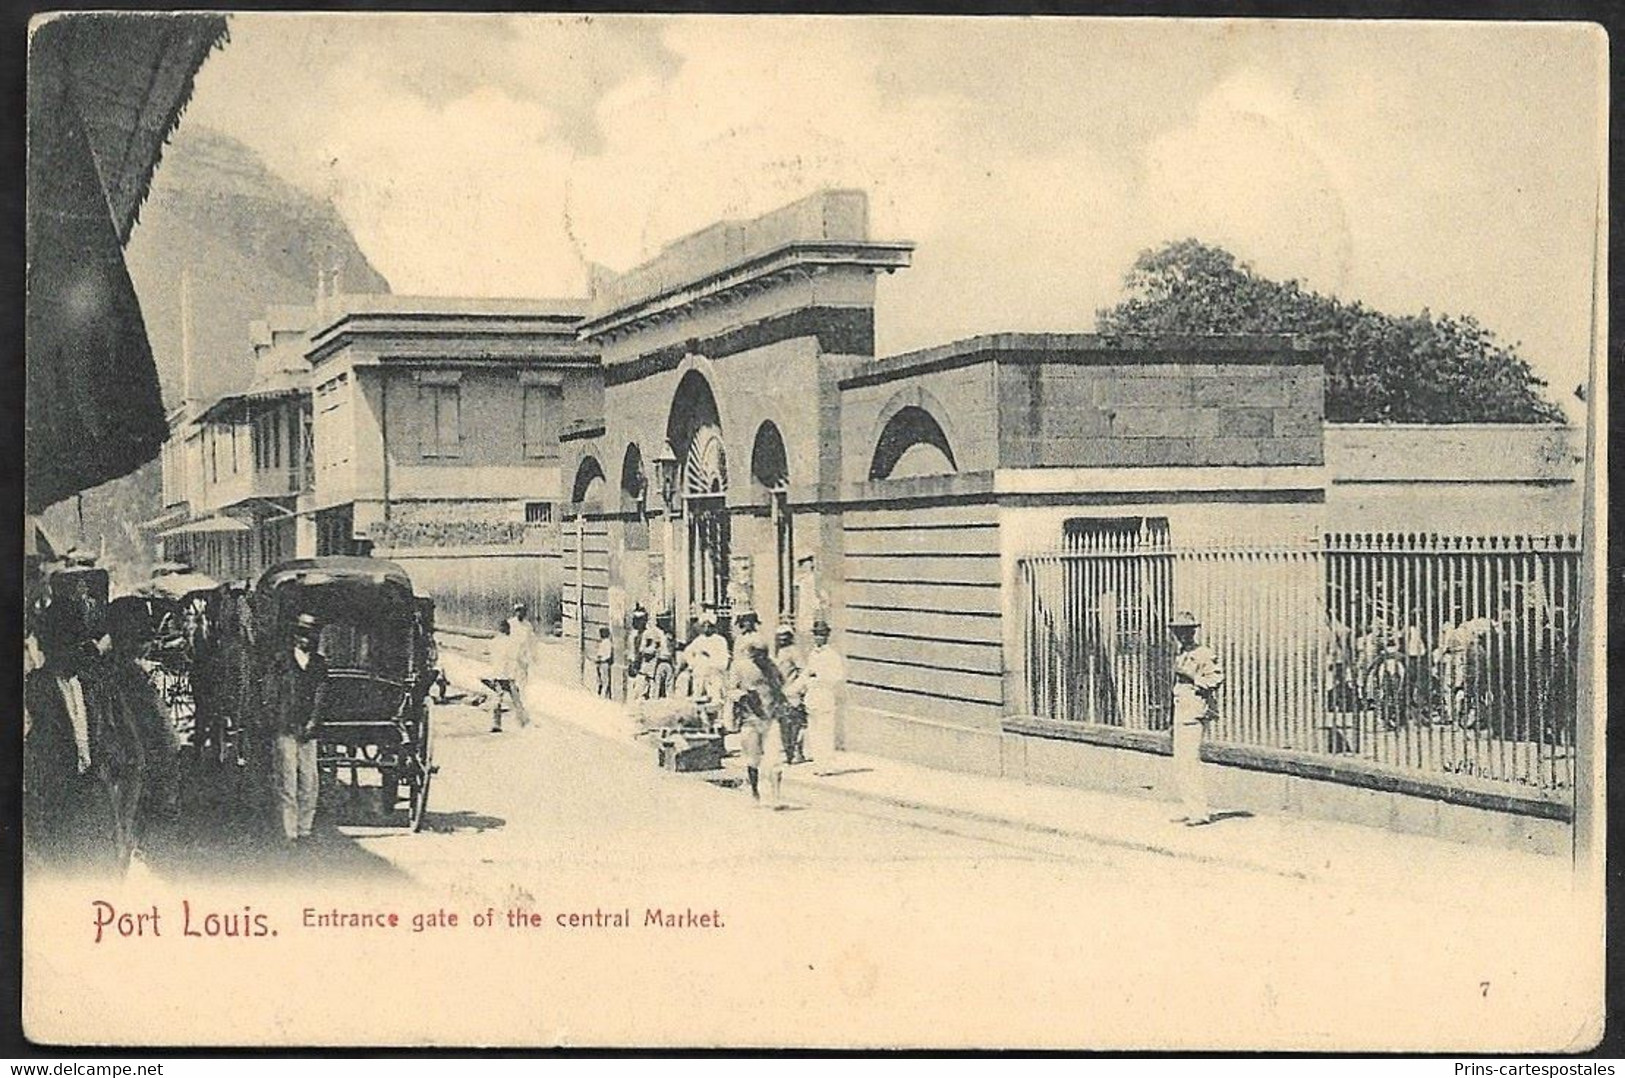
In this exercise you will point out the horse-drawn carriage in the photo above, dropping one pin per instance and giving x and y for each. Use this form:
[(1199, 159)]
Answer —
[(378, 639)]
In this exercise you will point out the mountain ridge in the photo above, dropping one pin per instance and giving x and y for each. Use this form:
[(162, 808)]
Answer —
[(248, 240)]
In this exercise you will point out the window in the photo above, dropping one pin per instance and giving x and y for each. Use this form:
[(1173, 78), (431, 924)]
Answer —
[(442, 427), (540, 438), (538, 512), (440, 430)]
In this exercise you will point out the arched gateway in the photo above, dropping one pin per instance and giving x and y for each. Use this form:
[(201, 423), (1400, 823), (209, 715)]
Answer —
[(694, 431)]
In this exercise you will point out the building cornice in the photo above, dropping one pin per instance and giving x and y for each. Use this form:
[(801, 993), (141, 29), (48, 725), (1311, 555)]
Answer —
[(556, 332), (746, 277), (838, 330), (1085, 349)]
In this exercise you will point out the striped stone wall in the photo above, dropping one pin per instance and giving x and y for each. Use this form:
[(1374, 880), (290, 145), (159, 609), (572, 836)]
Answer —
[(922, 614), (585, 548)]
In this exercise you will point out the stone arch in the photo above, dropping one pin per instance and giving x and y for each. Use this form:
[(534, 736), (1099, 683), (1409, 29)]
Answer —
[(913, 437), (694, 431)]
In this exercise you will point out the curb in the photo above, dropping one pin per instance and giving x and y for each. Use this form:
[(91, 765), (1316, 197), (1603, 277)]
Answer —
[(972, 816)]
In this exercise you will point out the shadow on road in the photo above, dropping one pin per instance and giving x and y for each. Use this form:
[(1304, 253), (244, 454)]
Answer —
[(445, 823), (227, 827)]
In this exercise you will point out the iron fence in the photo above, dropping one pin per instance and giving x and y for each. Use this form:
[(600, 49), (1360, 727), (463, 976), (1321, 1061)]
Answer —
[(1436, 654)]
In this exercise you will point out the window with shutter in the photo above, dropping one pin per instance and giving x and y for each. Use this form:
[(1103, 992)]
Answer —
[(540, 438), (442, 430)]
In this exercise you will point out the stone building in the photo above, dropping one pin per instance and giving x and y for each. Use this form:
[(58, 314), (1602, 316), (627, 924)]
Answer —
[(712, 469), (421, 429), (959, 512), (998, 529)]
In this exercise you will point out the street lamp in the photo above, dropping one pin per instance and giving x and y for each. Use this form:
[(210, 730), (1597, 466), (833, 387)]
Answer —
[(666, 461)]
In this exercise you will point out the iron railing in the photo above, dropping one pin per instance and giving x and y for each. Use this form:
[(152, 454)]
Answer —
[(1436, 654)]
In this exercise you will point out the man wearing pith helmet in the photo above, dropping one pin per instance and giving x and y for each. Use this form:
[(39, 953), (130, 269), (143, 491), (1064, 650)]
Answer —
[(1197, 678)]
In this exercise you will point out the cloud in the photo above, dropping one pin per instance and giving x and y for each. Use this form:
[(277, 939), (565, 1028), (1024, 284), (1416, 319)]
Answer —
[(1031, 159)]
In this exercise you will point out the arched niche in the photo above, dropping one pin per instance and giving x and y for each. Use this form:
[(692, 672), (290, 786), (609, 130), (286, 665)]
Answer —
[(588, 489), (634, 479), (769, 463), (912, 443)]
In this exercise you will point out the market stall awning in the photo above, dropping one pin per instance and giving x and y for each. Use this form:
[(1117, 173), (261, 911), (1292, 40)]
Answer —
[(177, 585), (207, 526), (105, 90), (165, 519), (282, 385)]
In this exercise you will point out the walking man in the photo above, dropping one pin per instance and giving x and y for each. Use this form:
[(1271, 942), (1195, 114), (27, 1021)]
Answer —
[(1197, 678), (524, 644), (296, 688), (787, 657), (504, 679), (760, 705)]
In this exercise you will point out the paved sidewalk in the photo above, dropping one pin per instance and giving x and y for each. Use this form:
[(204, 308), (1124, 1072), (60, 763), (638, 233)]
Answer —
[(1296, 847)]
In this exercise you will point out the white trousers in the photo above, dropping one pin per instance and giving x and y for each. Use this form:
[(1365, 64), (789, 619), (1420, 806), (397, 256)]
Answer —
[(1189, 780), (293, 769), (820, 743)]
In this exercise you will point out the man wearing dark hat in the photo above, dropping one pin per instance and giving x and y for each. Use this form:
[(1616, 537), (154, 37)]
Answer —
[(295, 689), (787, 657), (82, 760), (1197, 678)]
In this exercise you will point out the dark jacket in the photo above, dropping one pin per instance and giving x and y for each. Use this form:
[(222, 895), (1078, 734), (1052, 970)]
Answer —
[(294, 696)]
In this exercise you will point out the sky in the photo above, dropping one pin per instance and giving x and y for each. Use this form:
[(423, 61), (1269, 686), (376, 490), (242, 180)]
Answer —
[(1453, 167)]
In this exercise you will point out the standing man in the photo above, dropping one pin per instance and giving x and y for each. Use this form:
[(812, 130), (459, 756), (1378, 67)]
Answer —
[(1197, 678), (603, 661), (158, 797), (707, 657), (822, 676), (655, 659), (82, 760), (296, 689), (637, 686)]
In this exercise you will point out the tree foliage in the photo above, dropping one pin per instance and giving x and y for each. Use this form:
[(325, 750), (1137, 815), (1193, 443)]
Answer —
[(1380, 368)]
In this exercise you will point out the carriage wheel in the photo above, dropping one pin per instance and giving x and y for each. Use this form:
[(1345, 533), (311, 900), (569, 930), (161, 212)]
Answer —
[(422, 773)]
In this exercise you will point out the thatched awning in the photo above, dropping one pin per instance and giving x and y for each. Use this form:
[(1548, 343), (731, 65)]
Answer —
[(105, 91), (131, 77)]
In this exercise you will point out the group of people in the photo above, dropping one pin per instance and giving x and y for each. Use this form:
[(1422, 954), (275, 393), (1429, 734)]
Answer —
[(1402, 673), (780, 699), (100, 755)]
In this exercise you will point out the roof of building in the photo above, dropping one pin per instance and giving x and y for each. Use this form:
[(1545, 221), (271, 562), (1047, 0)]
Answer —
[(1084, 349), (131, 77), (344, 317), (829, 227)]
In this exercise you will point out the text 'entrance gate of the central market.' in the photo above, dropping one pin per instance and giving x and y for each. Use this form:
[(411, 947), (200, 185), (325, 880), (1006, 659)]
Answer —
[(1448, 657)]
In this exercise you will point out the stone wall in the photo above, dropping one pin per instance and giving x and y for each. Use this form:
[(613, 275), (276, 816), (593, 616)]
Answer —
[(1461, 479), (1159, 413)]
